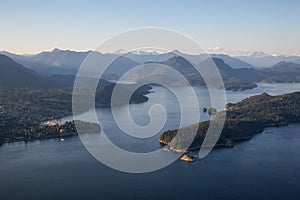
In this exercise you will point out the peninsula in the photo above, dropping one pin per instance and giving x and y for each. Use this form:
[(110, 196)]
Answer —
[(243, 120), (23, 111)]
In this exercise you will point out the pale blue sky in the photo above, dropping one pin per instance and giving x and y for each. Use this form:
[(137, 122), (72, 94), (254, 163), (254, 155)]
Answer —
[(32, 26)]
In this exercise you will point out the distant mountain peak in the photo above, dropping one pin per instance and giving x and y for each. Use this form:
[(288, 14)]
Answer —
[(258, 54), (56, 49), (176, 51), (139, 52), (178, 58)]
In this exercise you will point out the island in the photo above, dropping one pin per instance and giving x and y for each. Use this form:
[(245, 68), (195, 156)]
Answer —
[(212, 111), (243, 120), (239, 85)]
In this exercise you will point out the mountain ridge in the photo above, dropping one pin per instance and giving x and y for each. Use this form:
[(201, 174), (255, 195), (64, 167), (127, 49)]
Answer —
[(61, 62)]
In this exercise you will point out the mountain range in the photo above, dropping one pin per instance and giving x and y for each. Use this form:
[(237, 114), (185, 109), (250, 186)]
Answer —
[(68, 62), (261, 60), (58, 68)]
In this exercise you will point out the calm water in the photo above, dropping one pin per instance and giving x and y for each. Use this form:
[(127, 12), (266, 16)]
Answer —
[(262, 168)]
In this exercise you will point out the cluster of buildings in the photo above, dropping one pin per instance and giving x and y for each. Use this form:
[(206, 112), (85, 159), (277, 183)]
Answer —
[(22, 111)]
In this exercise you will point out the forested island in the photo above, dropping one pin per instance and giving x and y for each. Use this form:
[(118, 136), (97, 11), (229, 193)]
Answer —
[(243, 120)]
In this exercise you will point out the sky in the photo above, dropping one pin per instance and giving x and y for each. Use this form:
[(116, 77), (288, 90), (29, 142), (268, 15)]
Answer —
[(231, 26)]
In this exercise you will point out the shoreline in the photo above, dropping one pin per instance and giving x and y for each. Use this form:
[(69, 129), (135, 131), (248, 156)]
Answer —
[(232, 143), (35, 139), (67, 129), (23, 111), (217, 146), (244, 120)]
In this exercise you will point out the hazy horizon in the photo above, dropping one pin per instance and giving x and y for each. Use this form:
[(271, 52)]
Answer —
[(215, 50)]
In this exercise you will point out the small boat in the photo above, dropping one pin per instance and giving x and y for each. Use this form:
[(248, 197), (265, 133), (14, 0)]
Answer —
[(188, 157), (62, 139)]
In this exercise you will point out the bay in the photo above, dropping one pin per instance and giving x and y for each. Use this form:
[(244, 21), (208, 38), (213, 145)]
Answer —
[(265, 167)]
